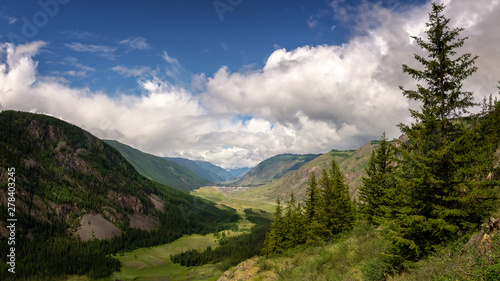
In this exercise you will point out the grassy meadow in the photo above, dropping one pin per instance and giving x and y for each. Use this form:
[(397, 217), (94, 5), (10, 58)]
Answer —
[(153, 263), (214, 195)]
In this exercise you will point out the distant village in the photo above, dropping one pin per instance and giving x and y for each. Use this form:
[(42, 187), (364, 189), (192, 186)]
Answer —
[(230, 189)]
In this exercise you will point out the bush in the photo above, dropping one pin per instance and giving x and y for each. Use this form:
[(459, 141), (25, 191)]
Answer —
[(492, 273), (374, 270)]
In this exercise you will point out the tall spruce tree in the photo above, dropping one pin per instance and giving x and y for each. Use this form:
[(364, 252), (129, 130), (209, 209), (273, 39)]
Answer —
[(337, 212), (299, 225), (293, 223), (314, 231), (275, 238), (312, 200), (374, 192), (432, 212), (329, 211)]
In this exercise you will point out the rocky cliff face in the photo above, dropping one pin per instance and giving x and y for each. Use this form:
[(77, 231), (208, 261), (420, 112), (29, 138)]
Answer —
[(127, 201), (65, 173)]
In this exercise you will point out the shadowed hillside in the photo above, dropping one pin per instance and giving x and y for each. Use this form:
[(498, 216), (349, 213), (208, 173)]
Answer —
[(161, 170), (71, 187)]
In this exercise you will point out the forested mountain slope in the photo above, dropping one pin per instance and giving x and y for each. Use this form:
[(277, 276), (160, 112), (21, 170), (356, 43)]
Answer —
[(68, 187), (160, 169), (274, 168), (203, 168)]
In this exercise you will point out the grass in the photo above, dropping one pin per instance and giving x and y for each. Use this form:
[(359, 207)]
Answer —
[(154, 262), (347, 258), (214, 195), (151, 264), (458, 262), (359, 255)]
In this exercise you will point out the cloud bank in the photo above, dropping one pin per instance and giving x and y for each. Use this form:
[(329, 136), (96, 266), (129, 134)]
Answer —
[(307, 100)]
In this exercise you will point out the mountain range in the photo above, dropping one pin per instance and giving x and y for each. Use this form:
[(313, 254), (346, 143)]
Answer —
[(351, 162), (74, 190), (161, 170), (210, 171), (274, 168), (69, 190)]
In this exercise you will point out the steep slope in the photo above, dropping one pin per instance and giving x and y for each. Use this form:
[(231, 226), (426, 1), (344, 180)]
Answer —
[(191, 165), (68, 187), (352, 164), (159, 169), (203, 168), (348, 257), (274, 168)]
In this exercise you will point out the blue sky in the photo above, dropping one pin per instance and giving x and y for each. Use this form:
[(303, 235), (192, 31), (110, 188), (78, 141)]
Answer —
[(90, 37), (227, 81), (201, 35)]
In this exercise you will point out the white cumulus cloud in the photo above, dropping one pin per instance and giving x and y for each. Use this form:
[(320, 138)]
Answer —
[(305, 100)]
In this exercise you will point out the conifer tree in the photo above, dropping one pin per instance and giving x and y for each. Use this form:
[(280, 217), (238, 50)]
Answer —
[(290, 224), (301, 225), (429, 180), (274, 242), (336, 206), (297, 225), (325, 204), (345, 219), (288, 228), (490, 104), (373, 193), (485, 108), (314, 230), (312, 198)]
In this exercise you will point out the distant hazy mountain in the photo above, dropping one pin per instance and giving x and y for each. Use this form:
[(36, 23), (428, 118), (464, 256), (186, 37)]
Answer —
[(208, 170), (274, 168), (238, 173), (161, 170), (191, 165), (351, 162), (216, 173)]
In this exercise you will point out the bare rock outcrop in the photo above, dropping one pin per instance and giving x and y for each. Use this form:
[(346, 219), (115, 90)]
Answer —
[(64, 209), (157, 202), (95, 226), (127, 201), (483, 240)]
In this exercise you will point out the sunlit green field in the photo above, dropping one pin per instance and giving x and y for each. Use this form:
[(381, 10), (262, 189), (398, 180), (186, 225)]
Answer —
[(152, 264), (214, 195)]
